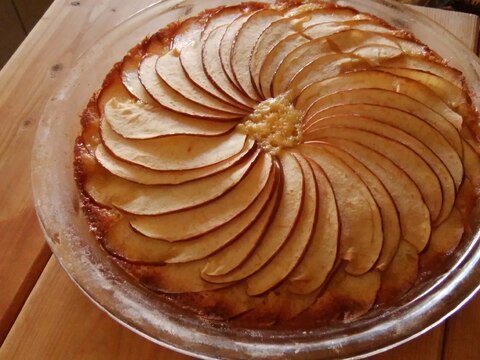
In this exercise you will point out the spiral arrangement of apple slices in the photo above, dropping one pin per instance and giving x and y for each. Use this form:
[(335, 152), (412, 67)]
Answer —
[(371, 176)]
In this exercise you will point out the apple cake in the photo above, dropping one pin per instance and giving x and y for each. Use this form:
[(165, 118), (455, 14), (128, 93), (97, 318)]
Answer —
[(280, 164)]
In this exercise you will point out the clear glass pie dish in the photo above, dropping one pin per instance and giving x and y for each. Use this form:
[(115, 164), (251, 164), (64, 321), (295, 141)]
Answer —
[(67, 231)]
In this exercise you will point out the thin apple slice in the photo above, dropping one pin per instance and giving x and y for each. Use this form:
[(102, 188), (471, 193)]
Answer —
[(347, 296), (170, 70), (272, 35), (182, 152), (113, 87), (380, 80), (388, 211), (368, 25), (273, 60), (213, 67), (329, 15), (413, 213), (233, 255), (285, 260), (360, 244), (135, 120), (171, 99), (138, 199), (375, 54), (409, 161), (385, 99), (447, 186), (132, 82), (407, 122), (471, 161), (323, 68), (279, 229), (451, 94), (319, 259), (425, 64), (347, 41), (401, 275), (192, 64), (142, 175), (223, 16), (189, 30), (226, 46), (244, 44), (173, 227)]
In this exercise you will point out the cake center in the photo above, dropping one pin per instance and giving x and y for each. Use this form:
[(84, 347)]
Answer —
[(275, 124)]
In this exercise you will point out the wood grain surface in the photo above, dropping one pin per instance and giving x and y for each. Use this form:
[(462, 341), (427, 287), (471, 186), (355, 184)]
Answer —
[(57, 321)]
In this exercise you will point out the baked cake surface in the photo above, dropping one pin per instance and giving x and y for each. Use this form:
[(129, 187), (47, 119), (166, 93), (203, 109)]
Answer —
[(294, 163)]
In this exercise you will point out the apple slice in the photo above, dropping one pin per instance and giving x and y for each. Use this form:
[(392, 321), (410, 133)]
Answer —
[(136, 120), (189, 30), (173, 227), (279, 229), (375, 54), (169, 98), (409, 161), (401, 275), (338, 122), (471, 162), (385, 99), (232, 256), (267, 41), (113, 87), (319, 259), (347, 296), (223, 16), (244, 44), (142, 175), (227, 43), (182, 152), (407, 122), (170, 70), (413, 213), (132, 82), (273, 60), (380, 80), (451, 94), (332, 15), (388, 211), (360, 244), (323, 68), (285, 260), (348, 40), (213, 67), (140, 199)]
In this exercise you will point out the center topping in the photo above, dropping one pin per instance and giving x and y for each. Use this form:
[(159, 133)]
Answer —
[(275, 124)]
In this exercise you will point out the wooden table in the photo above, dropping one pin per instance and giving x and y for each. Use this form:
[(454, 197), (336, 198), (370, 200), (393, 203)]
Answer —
[(42, 314)]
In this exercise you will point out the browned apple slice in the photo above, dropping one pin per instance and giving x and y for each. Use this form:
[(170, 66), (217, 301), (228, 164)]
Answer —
[(142, 175), (375, 54), (409, 123), (173, 227), (244, 44), (273, 60), (413, 213), (347, 296), (233, 255), (192, 64), (182, 152), (279, 229), (171, 99), (445, 239), (226, 46), (312, 271), (190, 30), (471, 162), (401, 275), (380, 80), (135, 120), (322, 15), (425, 64), (170, 70), (213, 67), (385, 99), (348, 40), (390, 132), (132, 82), (317, 30), (388, 211), (409, 161), (451, 94), (222, 16), (323, 68), (141, 199), (285, 260), (272, 35), (360, 244)]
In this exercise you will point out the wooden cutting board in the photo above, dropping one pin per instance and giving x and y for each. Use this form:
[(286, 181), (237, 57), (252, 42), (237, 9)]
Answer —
[(55, 320)]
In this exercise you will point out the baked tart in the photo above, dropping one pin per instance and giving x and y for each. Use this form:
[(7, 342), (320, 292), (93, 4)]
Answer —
[(290, 164)]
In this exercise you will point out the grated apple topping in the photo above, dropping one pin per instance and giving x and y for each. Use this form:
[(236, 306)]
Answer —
[(275, 124)]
